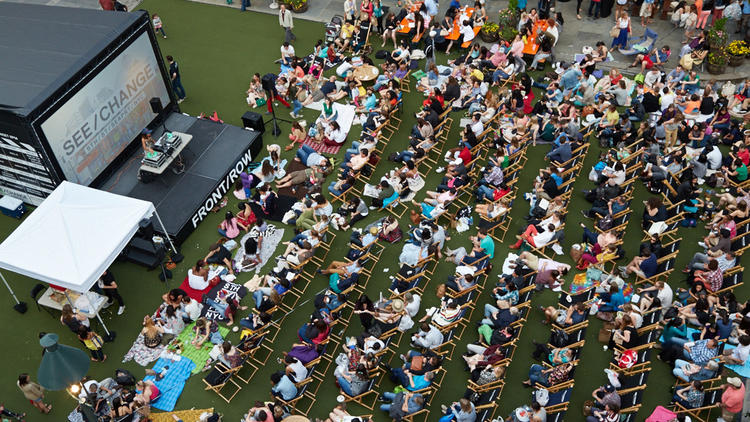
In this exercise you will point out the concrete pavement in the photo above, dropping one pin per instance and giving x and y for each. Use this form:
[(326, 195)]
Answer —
[(574, 35)]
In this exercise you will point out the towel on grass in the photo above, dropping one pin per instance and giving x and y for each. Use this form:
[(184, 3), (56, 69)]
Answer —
[(741, 370), (271, 239), (171, 386), (186, 415), (236, 291), (198, 356)]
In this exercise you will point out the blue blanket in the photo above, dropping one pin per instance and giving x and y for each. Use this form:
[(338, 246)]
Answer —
[(741, 370), (171, 386)]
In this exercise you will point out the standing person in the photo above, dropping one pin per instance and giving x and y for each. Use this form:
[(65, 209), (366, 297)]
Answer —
[(623, 24), (33, 392), (93, 342), (732, 399), (109, 288), (174, 76), (244, 4), (286, 22), (158, 25)]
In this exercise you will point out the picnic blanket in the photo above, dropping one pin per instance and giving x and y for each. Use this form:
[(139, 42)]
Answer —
[(191, 415), (141, 354), (283, 204), (581, 283), (236, 291), (690, 332), (198, 356), (300, 190), (171, 386), (741, 370), (321, 147), (271, 239)]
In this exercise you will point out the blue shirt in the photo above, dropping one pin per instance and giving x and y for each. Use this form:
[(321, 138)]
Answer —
[(746, 7), (488, 245), (419, 383), (431, 6), (569, 79), (556, 177), (616, 301), (649, 266), (285, 388)]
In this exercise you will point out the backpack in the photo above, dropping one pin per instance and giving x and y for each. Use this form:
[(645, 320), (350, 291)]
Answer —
[(606, 222), (559, 338), (628, 359), (124, 378)]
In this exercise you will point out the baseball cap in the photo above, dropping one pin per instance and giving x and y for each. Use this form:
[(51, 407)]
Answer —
[(146, 131)]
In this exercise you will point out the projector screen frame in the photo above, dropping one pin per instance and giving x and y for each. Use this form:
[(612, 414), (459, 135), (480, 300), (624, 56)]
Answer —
[(83, 77)]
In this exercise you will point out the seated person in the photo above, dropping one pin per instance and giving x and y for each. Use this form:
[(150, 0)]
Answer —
[(499, 318), (479, 357), (448, 312), (283, 387), (556, 356), (690, 396), (548, 377), (401, 404), (218, 254), (428, 337), (198, 277), (645, 266), (605, 396), (410, 381), (536, 238), (566, 317)]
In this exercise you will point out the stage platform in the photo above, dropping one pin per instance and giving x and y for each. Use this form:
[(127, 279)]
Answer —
[(214, 158)]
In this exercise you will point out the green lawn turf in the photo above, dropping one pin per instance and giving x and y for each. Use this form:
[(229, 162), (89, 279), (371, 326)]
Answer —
[(218, 49)]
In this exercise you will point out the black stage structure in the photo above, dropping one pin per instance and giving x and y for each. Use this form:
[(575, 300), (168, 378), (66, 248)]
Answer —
[(214, 158), (75, 91)]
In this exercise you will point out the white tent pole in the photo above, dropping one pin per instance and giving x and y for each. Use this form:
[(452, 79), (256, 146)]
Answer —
[(165, 232), (103, 325), (9, 289)]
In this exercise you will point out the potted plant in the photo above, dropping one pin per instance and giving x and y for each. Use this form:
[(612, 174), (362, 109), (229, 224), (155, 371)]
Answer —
[(737, 51), (507, 22), (717, 36), (297, 6), (490, 32), (717, 61)]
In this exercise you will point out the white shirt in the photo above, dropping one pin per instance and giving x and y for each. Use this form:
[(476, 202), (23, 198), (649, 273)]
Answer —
[(370, 342), (432, 338), (666, 100), (287, 51), (467, 32), (543, 238), (741, 353), (299, 372), (714, 159), (665, 296), (196, 282), (412, 308), (193, 309), (477, 127), (554, 33)]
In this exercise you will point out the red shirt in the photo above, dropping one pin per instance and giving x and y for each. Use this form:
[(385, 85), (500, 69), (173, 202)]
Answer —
[(733, 398), (465, 155), (744, 156), (107, 4), (648, 62)]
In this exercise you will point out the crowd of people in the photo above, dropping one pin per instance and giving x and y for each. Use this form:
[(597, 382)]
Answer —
[(664, 129)]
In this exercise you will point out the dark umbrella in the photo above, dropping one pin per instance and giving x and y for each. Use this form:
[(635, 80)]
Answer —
[(61, 365)]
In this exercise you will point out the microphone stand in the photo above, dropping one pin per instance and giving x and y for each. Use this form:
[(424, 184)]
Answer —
[(275, 130)]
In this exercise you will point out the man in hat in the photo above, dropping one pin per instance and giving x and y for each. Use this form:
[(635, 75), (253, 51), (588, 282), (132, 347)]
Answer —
[(732, 399), (606, 395)]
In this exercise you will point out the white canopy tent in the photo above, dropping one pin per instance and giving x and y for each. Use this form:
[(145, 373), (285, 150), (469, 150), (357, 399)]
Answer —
[(74, 236)]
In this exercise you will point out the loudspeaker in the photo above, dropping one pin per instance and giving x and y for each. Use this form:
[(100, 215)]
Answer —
[(156, 106), (268, 81), (253, 121), (145, 229)]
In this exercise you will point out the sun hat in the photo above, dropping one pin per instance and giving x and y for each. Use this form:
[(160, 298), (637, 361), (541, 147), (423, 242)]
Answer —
[(397, 305), (522, 415), (734, 382)]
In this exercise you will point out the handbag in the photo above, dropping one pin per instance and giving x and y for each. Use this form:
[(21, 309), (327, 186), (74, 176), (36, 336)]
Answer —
[(614, 32), (628, 359)]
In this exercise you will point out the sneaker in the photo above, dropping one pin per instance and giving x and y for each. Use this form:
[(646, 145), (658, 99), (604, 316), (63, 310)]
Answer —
[(702, 245), (403, 358), (440, 170), (373, 208), (557, 288), (121, 310), (108, 304), (294, 116), (444, 408), (180, 100), (622, 268)]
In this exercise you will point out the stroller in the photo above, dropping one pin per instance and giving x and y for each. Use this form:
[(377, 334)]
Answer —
[(333, 28)]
